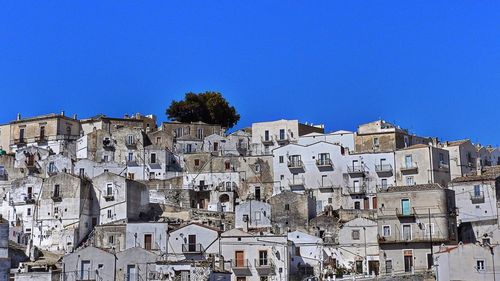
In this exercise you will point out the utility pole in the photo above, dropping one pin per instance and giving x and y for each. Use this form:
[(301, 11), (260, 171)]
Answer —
[(430, 236), (365, 259)]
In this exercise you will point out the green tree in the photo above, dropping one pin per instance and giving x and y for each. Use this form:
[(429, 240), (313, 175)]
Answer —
[(208, 107)]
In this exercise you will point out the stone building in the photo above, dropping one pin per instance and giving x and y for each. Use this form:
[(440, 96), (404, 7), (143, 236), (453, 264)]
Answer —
[(477, 200), (463, 155), (118, 199), (253, 214), (422, 164), (55, 132), (146, 123), (268, 135), (64, 215), (188, 137), (292, 211), (380, 135), (412, 222)]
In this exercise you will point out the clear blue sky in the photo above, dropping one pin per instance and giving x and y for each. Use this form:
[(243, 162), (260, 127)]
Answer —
[(433, 67)]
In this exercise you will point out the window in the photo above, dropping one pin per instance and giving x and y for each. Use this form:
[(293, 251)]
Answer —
[(197, 162), (85, 271), (130, 157), (406, 234), (282, 134), (148, 239), (158, 140), (410, 180), (282, 177), (56, 191), (56, 210), (199, 133), (110, 215), (42, 132), (408, 161), (105, 158), (477, 190), (324, 159), (384, 184), (109, 189), (257, 193), (111, 239), (216, 146), (189, 148), (357, 205), (287, 207), (355, 235), (266, 135), (388, 266), (52, 167), (386, 230), (376, 142), (178, 132), (28, 211), (21, 134), (480, 265), (297, 251), (281, 159), (441, 157), (227, 165), (130, 139), (408, 260), (153, 158), (330, 200), (257, 168), (263, 258), (68, 130), (81, 172), (405, 207)]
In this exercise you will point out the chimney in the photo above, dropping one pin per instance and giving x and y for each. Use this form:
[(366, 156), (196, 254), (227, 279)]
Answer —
[(18, 116), (62, 113)]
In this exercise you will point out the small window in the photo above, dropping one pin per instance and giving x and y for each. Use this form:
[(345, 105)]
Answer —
[(355, 235), (110, 215), (480, 265), (281, 159), (111, 239), (357, 205), (297, 251), (287, 207), (227, 165), (330, 200), (28, 211), (386, 230), (257, 168), (56, 191), (158, 140), (153, 158), (197, 162), (109, 189), (130, 157), (56, 210), (376, 142)]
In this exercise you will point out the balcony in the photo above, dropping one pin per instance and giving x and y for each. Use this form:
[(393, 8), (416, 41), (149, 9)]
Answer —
[(29, 199), (297, 184), (192, 248), (383, 169), (241, 267), (264, 267), (283, 140), (407, 213), (477, 198), (324, 164), (20, 142), (296, 166), (130, 143), (356, 170), (41, 139), (382, 187), (3, 175), (56, 197), (409, 168), (267, 141), (443, 165), (358, 190), (109, 197), (327, 186)]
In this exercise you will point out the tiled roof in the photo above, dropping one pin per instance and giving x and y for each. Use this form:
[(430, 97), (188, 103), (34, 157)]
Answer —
[(488, 173), (416, 187), (457, 142)]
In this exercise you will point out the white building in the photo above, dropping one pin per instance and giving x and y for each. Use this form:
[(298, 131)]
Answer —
[(252, 214), (341, 137), (193, 241), (255, 257), (306, 254)]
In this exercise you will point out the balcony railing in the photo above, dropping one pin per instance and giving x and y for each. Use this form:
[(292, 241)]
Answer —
[(29, 200), (264, 267), (192, 248), (296, 165), (356, 190), (407, 213), (41, 139), (383, 168), (267, 141), (409, 168), (297, 183), (477, 197), (355, 170), (20, 141), (325, 162), (56, 197), (240, 264), (283, 140), (109, 197), (443, 165)]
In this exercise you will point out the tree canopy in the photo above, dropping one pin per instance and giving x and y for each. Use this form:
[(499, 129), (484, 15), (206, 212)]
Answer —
[(208, 107)]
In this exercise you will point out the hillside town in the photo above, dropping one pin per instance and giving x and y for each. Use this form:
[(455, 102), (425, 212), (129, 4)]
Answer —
[(133, 198)]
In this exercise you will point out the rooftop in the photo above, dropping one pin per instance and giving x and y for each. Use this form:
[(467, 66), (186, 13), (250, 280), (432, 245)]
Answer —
[(416, 187), (487, 173)]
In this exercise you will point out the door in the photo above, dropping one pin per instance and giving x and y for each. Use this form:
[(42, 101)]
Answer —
[(148, 239), (406, 232), (373, 267), (356, 186), (374, 203), (131, 273), (366, 203), (408, 161), (216, 146), (388, 266), (21, 135), (240, 258), (408, 258), (405, 207), (85, 270), (257, 193), (192, 243), (30, 192)]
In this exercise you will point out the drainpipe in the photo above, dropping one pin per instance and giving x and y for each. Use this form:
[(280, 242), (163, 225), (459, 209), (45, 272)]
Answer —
[(431, 171)]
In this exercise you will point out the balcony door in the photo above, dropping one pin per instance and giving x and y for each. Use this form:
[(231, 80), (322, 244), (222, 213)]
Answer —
[(192, 243), (148, 239), (408, 161), (240, 258), (405, 207)]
